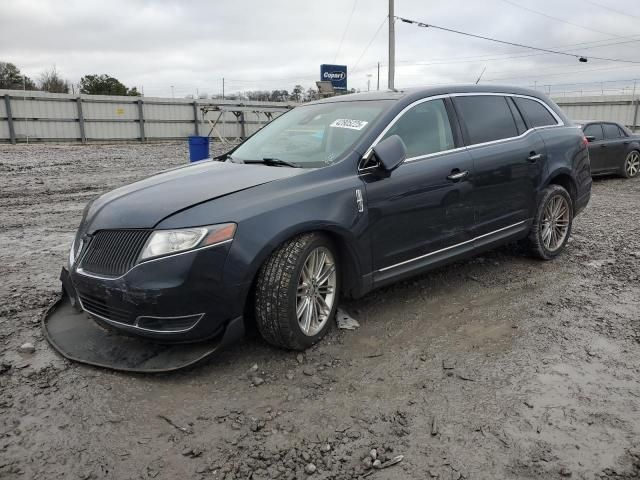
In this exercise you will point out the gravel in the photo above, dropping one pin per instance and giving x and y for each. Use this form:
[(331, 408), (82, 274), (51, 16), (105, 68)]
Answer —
[(496, 367)]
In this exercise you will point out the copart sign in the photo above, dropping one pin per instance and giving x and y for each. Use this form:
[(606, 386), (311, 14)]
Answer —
[(336, 74)]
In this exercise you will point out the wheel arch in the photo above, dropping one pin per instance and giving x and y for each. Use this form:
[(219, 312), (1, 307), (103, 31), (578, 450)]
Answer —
[(565, 180), (346, 249)]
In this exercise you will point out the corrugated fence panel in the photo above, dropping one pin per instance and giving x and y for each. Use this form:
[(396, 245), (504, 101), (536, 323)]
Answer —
[(168, 130), (41, 116), (168, 111), (112, 130), (615, 108), (21, 108), (109, 111), (43, 129)]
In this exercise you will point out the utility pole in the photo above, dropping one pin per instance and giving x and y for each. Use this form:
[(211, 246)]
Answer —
[(223, 88), (378, 86), (172, 96), (392, 45), (369, 82)]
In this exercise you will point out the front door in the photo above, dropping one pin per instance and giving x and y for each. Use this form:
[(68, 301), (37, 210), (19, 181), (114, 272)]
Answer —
[(425, 204), (597, 147)]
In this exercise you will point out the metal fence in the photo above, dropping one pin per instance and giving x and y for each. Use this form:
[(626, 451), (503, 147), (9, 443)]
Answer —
[(50, 117), (614, 108)]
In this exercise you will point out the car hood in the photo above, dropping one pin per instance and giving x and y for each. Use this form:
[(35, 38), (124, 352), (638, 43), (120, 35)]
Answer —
[(145, 203)]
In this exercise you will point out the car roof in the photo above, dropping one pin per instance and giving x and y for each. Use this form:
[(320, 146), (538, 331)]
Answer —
[(421, 92)]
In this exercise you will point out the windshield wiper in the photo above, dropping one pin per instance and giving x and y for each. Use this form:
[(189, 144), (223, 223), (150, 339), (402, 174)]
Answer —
[(274, 162)]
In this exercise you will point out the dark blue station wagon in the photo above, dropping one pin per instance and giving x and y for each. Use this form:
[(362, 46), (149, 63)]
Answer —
[(336, 197)]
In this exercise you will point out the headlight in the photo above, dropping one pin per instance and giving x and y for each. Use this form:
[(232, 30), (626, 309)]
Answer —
[(72, 253), (166, 242), (76, 248)]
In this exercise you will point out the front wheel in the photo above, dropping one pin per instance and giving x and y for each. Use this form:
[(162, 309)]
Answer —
[(552, 223), (631, 165), (297, 292)]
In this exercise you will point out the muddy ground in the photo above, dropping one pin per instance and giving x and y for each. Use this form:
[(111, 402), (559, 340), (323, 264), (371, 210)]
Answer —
[(497, 367)]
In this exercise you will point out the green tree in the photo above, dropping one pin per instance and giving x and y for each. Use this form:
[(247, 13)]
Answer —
[(12, 79), (105, 85), (51, 81)]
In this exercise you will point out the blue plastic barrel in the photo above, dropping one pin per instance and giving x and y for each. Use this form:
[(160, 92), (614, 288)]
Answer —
[(198, 148)]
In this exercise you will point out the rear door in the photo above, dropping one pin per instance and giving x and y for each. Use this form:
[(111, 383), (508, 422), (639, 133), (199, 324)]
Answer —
[(616, 145), (420, 207), (507, 161), (597, 147)]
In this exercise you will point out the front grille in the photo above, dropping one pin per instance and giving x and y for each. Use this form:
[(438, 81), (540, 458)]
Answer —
[(99, 306), (113, 252)]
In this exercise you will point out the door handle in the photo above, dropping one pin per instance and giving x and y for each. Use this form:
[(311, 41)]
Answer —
[(534, 157), (456, 175), (603, 145)]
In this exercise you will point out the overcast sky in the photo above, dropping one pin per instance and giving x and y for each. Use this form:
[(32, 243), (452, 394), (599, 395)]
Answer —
[(192, 44)]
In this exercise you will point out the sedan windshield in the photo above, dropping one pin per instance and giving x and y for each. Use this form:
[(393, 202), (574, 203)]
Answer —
[(311, 136)]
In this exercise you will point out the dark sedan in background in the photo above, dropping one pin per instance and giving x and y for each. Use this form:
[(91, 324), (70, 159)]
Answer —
[(613, 148)]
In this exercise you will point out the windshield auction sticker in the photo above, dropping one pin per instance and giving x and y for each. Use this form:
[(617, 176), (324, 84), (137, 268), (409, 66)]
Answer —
[(347, 123)]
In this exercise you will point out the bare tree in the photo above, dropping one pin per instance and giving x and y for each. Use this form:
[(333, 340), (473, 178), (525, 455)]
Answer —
[(51, 81)]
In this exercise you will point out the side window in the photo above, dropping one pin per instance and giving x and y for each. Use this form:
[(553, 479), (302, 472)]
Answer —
[(611, 130), (424, 129), (594, 130), (517, 116), (487, 117), (535, 114), (623, 134)]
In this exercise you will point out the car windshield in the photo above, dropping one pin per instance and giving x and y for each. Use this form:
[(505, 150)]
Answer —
[(311, 136)]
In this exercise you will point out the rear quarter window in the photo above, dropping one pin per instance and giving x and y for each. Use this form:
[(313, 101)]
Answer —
[(611, 130), (487, 118), (534, 113)]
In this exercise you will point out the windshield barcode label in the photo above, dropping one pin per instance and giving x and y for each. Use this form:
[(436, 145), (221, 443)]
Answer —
[(347, 123)]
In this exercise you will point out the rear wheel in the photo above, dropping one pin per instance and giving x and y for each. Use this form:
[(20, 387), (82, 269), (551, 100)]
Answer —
[(297, 292), (631, 165), (552, 224)]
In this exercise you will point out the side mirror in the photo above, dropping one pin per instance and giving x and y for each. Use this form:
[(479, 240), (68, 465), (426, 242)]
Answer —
[(390, 152), (590, 138)]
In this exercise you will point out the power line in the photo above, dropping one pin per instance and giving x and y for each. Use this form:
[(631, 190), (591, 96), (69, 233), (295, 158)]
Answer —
[(517, 5), (556, 74), (353, 9), (611, 9), (489, 56), (514, 44), (369, 44), (482, 59)]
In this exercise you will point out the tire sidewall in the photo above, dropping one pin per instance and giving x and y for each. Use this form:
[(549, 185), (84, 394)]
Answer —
[(550, 192), (300, 338), (625, 174)]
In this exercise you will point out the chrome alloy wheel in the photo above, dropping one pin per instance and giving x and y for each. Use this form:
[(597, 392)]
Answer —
[(555, 222), (316, 292), (632, 164)]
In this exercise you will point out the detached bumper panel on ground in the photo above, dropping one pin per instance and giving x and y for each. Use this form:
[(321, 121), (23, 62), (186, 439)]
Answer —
[(77, 337)]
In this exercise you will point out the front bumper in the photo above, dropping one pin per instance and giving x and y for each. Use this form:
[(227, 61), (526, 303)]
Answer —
[(180, 298)]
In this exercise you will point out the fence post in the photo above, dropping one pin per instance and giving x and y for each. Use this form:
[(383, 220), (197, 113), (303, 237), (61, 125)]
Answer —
[(196, 123), (243, 128), (12, 131), (635, 115), (83, 137), (141, 120)]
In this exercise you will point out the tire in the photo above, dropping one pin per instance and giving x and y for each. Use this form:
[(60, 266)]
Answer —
[(631, 166), (546, 242), (281, 290)]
